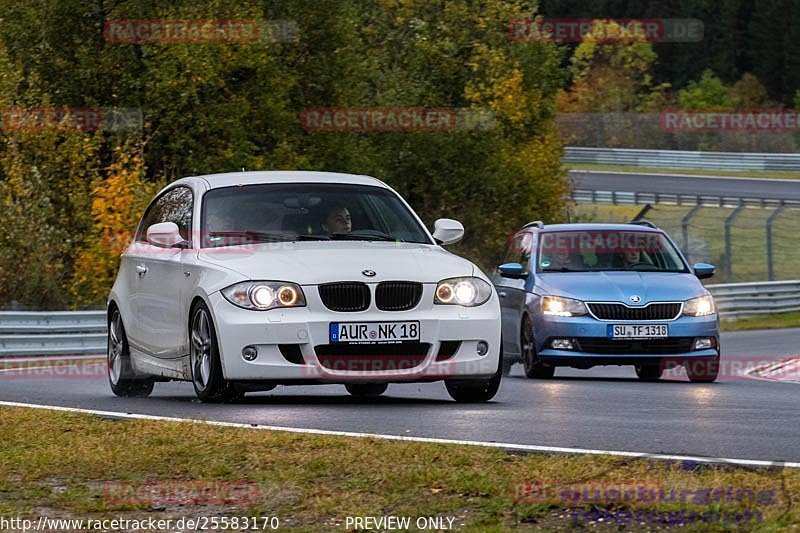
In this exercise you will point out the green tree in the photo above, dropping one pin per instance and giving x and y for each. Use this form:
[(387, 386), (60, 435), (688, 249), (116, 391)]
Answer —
[(707, 93)]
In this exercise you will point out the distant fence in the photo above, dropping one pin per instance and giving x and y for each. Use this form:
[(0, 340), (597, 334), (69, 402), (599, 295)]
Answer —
[(46, 333), (739, 300), (730, 161), (655, 198)]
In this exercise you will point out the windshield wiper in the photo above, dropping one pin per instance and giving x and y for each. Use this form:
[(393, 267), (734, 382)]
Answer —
[(258, 236), (359, 237), (562, 269)]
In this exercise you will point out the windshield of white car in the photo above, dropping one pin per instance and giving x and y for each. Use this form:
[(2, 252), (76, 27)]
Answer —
[(287, 212), (607, 251)]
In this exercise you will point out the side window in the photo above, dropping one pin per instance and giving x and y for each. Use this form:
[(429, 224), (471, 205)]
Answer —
[(519, 250), (175, 206)]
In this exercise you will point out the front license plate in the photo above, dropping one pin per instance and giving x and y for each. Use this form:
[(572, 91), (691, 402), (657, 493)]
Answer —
[(638, 331), (373, 332)]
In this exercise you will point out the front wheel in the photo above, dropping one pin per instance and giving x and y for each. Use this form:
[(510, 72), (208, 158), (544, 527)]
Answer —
[(366, 390), (204, 361), (534, 368), (476, 390), (119, 363), (703, 370)]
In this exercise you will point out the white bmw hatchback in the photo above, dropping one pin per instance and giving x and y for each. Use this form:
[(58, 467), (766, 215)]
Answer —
[(243, 281)]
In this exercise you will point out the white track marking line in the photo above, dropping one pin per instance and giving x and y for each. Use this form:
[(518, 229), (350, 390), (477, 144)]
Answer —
[(431, 440), (654, 174)]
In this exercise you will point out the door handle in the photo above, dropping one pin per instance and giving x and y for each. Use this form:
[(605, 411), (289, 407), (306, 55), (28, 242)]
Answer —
[(141, 270)]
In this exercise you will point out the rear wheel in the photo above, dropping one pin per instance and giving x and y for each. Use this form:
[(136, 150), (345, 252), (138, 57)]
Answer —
[(534, 368), (476, 390), (649, 371), (120, 371), (206, 369), (703, 370), (366, 390)]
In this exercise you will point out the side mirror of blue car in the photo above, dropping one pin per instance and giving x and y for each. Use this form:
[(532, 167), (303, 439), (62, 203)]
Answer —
[(704, 270), (512, 270)]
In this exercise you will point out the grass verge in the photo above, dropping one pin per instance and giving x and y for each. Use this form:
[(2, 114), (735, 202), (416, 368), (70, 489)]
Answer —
[(776, 321), (701, 172), (62, 465)]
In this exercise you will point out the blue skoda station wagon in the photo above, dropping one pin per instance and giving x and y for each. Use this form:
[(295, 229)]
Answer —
[(582, 295)]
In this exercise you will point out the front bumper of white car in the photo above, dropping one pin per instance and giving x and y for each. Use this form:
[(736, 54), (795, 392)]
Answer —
[(293, 344)]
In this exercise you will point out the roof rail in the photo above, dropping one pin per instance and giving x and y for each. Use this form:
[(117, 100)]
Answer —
[(643, 223), (535, 224)]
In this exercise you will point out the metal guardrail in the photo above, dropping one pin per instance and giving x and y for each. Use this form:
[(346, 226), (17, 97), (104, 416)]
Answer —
[(52, 333), (84, 332), (732, 161), (739, 300), (654, 198)]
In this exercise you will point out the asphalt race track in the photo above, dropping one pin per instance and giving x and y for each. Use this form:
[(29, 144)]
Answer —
[(773, 189), (602, 408)]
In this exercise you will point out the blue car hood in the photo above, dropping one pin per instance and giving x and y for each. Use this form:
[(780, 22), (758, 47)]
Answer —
[(620, 286)]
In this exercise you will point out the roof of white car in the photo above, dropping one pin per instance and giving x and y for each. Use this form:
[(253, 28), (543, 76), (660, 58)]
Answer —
[(231, 179)]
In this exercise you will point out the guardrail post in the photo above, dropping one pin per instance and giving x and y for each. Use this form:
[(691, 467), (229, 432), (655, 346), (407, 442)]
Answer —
[(770, 261), (728, 223), (685, 228)]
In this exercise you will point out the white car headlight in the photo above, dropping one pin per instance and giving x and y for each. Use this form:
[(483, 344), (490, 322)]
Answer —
[(700, 306), (265, 295), (558, 306), (467, 292)]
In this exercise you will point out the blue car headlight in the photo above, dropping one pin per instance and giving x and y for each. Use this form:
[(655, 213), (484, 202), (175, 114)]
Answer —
[(700, 306), (558, 306)]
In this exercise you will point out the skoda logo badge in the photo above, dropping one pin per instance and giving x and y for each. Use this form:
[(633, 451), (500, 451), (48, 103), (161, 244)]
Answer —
[(636, 299), (368, 273)]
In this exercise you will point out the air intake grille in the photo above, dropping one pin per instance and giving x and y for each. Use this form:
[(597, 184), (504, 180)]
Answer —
[(623, 312), (371, 357), (397, 295), (346, 297), (598, 345)]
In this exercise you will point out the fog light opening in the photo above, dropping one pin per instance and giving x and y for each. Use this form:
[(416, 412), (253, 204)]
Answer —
[(482, 348), (249, 353), (562, 344), (704, 343)]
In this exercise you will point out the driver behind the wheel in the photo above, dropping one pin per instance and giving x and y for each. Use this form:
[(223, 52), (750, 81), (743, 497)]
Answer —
[(337, 221), (632, 257)]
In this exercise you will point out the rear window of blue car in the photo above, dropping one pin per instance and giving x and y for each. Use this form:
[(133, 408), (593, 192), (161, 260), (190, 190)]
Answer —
[(607, 250)]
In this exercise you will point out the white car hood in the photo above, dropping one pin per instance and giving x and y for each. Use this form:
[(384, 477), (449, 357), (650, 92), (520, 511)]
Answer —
[(313, 262)]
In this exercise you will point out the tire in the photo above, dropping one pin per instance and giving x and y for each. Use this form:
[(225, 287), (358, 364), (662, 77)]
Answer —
[(120, 371), (534, 368), (703, 370), (476, 390), (366, 390), (649, 371), (204, 362)]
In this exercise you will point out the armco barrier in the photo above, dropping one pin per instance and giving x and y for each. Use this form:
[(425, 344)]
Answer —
[(84, 332), (739, 300), (728, 161), (52, 333)]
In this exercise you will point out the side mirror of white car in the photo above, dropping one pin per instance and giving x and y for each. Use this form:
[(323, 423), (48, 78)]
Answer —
[(165, 235), (447, 231)]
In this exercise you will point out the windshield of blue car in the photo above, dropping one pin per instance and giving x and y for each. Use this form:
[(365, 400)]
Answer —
[(287, 212), (607, 250)]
